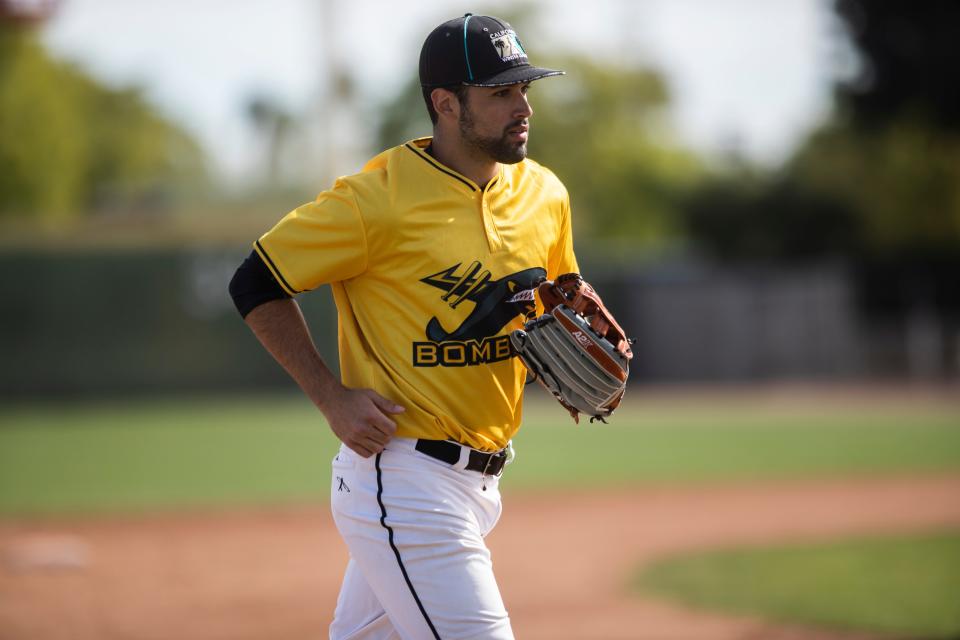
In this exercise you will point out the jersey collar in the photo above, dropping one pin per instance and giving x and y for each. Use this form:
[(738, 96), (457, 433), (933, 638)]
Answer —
[(419, 146)]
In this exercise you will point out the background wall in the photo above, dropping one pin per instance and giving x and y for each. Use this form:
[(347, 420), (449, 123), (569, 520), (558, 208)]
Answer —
[(94, 323)]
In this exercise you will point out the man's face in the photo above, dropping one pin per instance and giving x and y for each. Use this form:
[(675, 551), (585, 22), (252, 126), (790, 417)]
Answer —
[(495, 121)]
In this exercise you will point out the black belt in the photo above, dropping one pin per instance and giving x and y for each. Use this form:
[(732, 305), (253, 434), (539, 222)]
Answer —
[(489, 464)]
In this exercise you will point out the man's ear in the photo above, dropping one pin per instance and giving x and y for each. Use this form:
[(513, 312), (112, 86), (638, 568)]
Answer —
[(445, 103)]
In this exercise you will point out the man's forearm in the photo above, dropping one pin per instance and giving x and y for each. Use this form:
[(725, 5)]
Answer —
[(359, 417), (282, 330)]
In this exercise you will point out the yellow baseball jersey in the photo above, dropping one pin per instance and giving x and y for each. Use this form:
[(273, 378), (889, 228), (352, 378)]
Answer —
[(430, 273)]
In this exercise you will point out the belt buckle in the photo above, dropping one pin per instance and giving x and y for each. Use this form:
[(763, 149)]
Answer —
[(490, 458)]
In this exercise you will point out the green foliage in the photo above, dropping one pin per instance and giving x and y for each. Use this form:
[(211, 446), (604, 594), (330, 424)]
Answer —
[(141, 159), (43, 142), (902, 182), (69, 144), (864, 194), (222, 451), (602, 130), (908, 586), (741, 217), (880, 181), (891, 152), (870, 194)]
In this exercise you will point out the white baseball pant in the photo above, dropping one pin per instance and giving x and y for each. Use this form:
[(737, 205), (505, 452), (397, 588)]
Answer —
[(419, 568)]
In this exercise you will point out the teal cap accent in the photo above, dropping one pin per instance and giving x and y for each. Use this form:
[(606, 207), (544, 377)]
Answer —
[(466, 50)]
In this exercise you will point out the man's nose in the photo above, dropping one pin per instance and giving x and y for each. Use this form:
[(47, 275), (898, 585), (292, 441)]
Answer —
[(523, 109)]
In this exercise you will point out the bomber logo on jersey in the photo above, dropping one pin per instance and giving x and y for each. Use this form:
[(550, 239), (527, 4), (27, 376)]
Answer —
[(494, 304), (507, 45)]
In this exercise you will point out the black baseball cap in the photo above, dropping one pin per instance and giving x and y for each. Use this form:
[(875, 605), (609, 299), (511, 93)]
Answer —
[(482, 51)]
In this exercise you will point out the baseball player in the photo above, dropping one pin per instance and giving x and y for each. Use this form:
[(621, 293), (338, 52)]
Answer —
[(434, 251)]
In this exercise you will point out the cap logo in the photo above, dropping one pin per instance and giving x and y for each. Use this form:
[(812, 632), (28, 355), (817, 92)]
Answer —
[(507, 45)]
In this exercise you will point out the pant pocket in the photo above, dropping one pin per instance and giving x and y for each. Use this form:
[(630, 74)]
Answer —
[(342, 483)]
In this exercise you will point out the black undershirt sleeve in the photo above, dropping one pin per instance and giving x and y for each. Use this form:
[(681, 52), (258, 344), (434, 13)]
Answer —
[(253, 284)]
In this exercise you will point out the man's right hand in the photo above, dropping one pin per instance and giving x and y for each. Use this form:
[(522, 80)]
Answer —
[(361, 419)]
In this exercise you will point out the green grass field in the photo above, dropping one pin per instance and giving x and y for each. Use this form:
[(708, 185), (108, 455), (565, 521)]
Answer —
[(908, 587), (222, 452)]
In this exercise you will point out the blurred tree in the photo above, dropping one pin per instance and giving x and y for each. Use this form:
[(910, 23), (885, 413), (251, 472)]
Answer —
[(893, 149), (907, 51), (274, 125), (404, 117), (902, 182), (881, 180), (892, 153), (70, 145), (43, 141), (139, 159), (746, 217), (603, 130)]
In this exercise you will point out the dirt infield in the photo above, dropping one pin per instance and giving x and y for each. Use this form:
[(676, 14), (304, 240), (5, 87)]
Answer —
[(563, 562)]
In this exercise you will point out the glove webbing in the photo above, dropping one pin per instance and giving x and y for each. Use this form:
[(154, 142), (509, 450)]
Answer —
[(574, 368), (543, 375)]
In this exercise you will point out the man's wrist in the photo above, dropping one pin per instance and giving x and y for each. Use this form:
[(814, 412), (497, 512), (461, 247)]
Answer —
[(329, 396)]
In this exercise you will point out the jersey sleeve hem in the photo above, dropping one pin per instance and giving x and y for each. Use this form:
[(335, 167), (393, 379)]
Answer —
[(267, 260)]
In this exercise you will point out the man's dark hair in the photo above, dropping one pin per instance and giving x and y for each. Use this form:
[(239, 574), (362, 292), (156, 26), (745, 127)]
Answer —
[(459, 90)]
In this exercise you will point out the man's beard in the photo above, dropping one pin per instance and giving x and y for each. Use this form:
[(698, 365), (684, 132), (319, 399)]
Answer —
[(501, 149)]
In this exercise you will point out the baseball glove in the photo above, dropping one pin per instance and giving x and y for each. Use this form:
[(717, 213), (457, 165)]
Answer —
[(576, 350)]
